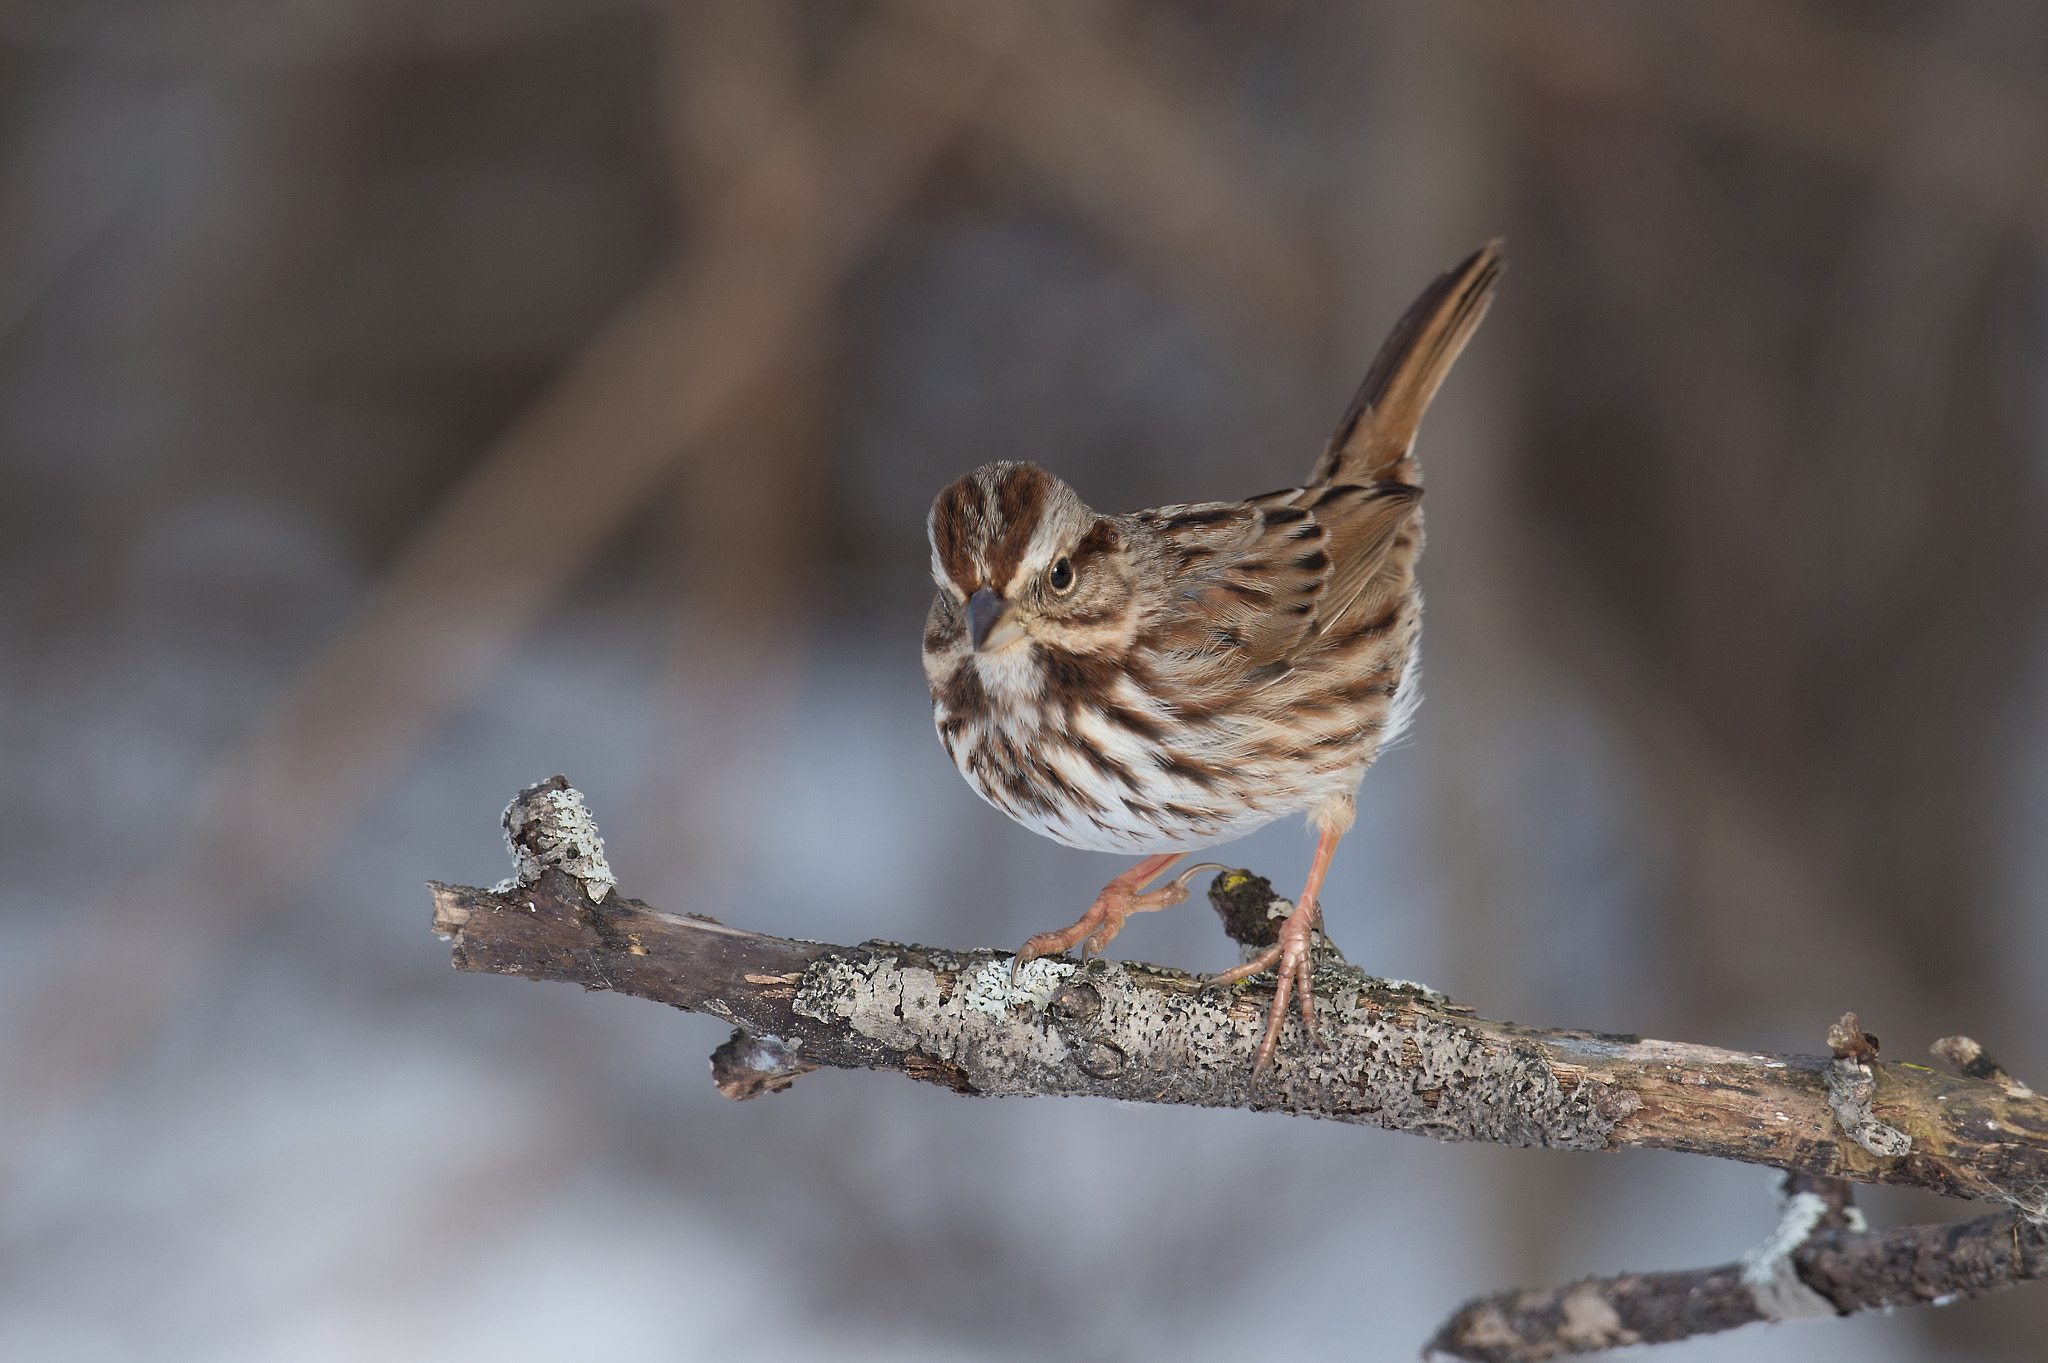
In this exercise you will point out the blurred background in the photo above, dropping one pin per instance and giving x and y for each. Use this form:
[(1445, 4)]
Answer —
[(403, 402)]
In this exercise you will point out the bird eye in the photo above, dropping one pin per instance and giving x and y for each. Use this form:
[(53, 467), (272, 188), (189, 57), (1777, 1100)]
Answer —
[(1060, 577)]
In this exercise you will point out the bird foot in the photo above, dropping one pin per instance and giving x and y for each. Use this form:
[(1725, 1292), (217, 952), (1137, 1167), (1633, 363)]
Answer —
[(1292, 960), (1105, 917)]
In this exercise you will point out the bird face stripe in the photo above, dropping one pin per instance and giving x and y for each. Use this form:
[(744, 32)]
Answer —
[(1099, 543), (942, 628), (1019, 500), (982, 526), (962, 695), (954, 512)]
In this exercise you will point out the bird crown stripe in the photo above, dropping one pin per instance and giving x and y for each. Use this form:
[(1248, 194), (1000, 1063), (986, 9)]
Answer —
[(1018, 504)]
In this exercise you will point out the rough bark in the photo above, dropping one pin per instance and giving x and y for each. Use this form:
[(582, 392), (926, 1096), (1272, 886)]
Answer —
[(1818, 1265), (1390, 1054)]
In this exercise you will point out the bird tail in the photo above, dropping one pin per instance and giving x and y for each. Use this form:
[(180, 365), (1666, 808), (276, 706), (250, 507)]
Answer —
[(1373, 440)]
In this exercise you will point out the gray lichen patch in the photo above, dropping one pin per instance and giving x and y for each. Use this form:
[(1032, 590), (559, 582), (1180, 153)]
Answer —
[(992, 989), (1384, 1057), (1851, 1087), (1769, 1273), (547, 825), (906, 1002)]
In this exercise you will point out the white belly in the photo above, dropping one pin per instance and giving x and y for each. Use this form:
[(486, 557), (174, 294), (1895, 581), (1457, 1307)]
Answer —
[(1137, 807)]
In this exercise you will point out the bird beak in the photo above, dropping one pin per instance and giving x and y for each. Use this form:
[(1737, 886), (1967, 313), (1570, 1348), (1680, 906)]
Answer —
[(991, 621)]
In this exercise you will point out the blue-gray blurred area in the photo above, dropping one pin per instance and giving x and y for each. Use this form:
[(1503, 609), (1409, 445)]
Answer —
[(404, 402)]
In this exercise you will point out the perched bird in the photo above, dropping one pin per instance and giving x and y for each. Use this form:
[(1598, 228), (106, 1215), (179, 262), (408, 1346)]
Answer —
[(1170, 679)]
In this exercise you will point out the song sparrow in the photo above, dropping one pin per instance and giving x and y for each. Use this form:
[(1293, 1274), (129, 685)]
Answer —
[(1174, 678)]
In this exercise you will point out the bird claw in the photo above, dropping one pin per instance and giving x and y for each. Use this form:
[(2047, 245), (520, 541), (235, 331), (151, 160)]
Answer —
[(1126, 903), (1293, 961), (1044, 944), (1294, 977), (1105, 917)]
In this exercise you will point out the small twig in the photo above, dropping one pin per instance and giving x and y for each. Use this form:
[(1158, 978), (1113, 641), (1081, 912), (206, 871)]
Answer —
[(1972, 1061), (1832, 1269), (1391, 1054)]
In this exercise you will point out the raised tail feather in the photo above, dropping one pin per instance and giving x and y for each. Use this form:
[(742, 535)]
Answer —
[(1373, 440)]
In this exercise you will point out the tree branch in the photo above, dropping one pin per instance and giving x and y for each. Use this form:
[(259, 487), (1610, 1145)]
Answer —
[(1821, 1262), (1390, 1054)]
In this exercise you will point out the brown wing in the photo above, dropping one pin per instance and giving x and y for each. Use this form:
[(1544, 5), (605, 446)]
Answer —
[(1258, 582), (1246, 578), (1362, 525), (1373, 440)]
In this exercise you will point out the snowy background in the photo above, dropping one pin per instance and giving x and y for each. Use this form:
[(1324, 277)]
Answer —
[(1736, 660)]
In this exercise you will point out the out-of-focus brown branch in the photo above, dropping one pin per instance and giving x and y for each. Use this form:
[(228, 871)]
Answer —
[(736, 618), (1614, 106), (696, 339), (1390, 1054), (1789, 76), (1152, 167), (662, 375)]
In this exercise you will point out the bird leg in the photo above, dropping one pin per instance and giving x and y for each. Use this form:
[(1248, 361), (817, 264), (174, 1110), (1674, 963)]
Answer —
[(1291, 954), (1119, 900)]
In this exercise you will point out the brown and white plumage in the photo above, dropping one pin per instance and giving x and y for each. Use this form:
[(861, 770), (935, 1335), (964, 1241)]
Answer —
[(1174, 678)]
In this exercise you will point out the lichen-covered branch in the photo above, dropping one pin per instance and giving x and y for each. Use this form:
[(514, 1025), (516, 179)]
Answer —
[(1822, 1262), (1389, 1054)]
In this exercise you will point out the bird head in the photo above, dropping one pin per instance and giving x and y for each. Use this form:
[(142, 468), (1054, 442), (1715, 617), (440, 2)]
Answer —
[(1018, 557)]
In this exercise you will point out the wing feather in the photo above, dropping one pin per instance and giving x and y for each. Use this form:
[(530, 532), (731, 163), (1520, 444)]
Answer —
[(1246, 578), (1363, 523), (1257, 583)]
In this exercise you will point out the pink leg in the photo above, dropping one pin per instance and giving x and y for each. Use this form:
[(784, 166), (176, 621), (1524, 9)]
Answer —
[(1291, 953), (1119, 900)]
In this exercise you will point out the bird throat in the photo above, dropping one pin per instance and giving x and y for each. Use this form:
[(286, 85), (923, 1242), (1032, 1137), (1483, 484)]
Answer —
[(1013, 676)]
